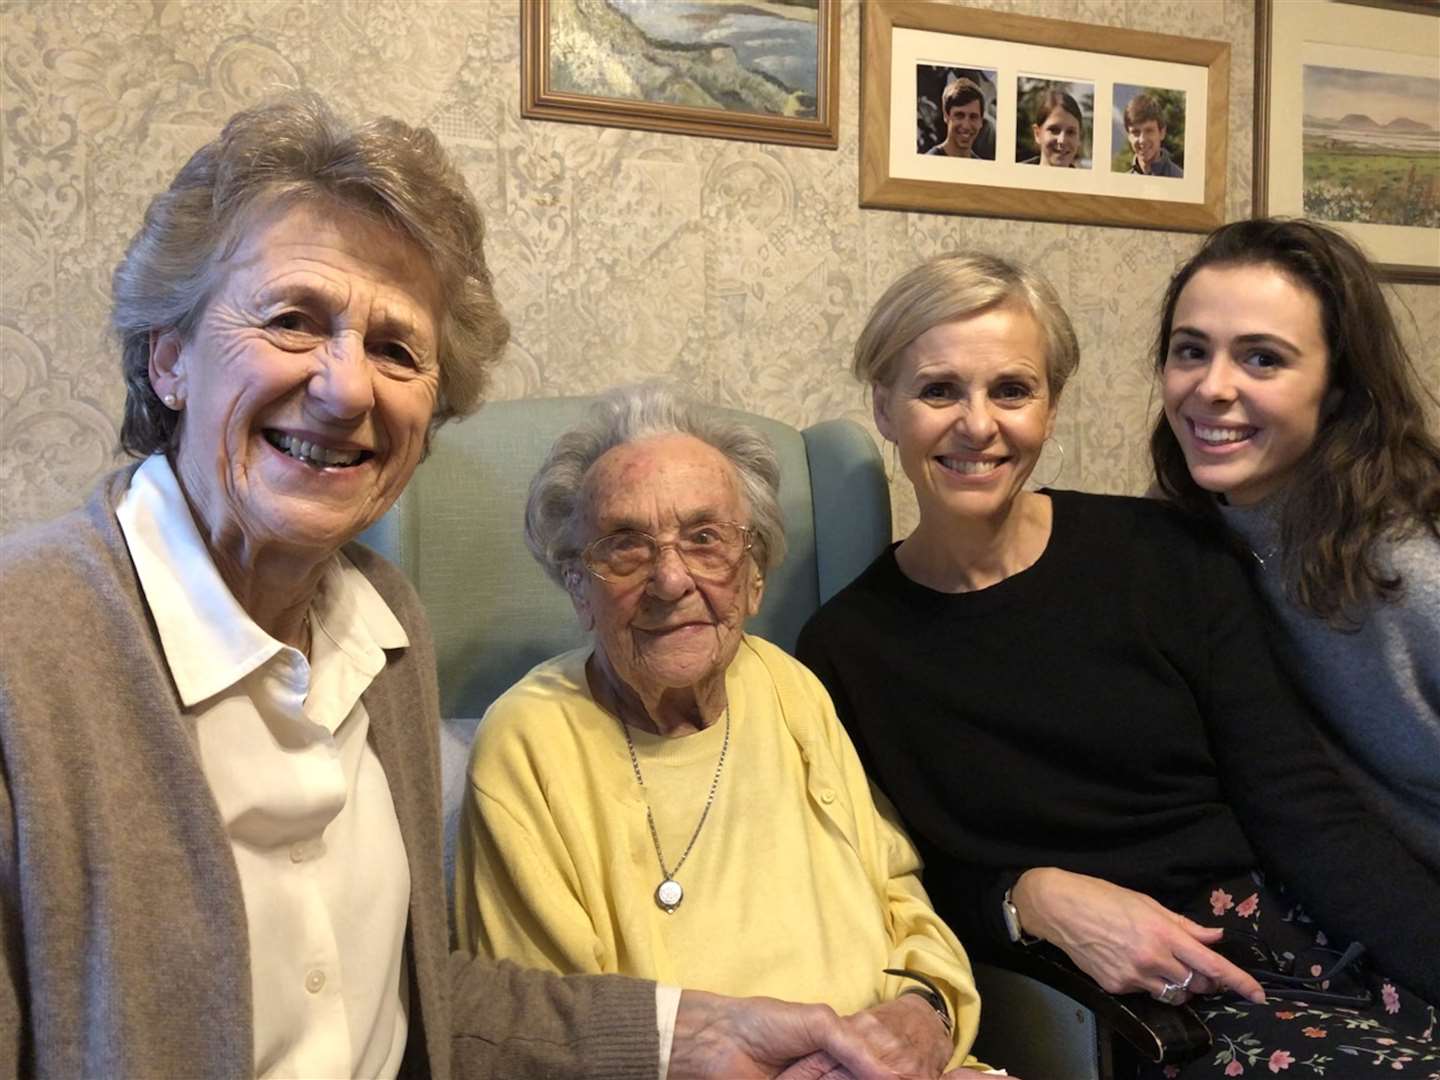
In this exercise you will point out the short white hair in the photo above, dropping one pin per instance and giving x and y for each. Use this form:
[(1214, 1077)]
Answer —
[(626, 414)]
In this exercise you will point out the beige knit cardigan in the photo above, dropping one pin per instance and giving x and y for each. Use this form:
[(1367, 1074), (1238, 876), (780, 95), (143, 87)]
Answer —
[(123, 942)]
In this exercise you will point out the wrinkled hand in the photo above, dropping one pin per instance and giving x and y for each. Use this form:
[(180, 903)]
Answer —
[(1123, 939), (821, 1066), (904, 1035), (742, 1038), (816, 1066)]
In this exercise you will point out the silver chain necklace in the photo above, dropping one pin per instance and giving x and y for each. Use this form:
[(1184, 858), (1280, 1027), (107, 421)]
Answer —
[(668, 893)]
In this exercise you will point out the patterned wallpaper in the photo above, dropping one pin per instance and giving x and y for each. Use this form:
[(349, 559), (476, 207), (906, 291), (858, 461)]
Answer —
[(743, 271)]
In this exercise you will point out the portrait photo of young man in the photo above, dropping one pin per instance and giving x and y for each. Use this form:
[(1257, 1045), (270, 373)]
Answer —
[(955, 112), (1152, 122)]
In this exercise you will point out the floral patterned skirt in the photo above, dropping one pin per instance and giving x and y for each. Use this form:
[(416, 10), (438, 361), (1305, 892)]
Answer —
[(1350, 1022)]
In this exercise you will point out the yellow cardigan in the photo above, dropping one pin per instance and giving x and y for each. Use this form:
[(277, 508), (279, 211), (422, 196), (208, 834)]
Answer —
[(799, 885)]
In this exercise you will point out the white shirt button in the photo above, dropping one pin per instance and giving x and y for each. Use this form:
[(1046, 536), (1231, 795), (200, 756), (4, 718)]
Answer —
[(298, 852), (315, 981)]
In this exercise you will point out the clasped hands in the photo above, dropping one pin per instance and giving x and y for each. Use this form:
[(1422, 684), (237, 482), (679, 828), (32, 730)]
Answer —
[(1124, 940), (760, 1037)]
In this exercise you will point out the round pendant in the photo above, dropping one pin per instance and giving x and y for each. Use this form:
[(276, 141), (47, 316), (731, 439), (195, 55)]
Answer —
[(669, 894)]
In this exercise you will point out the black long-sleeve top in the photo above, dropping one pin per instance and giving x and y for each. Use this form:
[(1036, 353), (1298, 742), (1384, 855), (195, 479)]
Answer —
[(1114, 710)]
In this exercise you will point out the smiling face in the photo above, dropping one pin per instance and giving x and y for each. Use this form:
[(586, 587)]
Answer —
[(1058, 138), (970, 410), (1245, 378), (1145, 140), (308, 383), (670, 630), (962, 124)]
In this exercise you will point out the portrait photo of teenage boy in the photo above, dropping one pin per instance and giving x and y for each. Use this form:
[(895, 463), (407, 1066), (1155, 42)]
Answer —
[(1148, 131), (955, 111)]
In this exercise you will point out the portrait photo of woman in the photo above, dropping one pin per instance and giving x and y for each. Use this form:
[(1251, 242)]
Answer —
[(1053, 126)]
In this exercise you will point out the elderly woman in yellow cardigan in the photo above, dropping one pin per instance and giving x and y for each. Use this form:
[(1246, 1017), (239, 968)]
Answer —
[(679, 801)]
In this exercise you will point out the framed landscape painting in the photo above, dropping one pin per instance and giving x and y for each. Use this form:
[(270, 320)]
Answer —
[(1348, 125), (758, 70)]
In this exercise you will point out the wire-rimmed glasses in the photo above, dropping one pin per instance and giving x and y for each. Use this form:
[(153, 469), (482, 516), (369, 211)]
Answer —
[(710, 550)]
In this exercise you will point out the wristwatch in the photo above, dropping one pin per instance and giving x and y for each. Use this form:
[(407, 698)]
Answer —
[(929, 993), (1012, 921)]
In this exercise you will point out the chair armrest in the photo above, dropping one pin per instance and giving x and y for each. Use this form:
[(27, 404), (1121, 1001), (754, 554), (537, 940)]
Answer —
[(1158, 1032), (1034, 1030)]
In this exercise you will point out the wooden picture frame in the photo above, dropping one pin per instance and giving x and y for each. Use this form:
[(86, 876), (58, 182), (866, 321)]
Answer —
[(898, 36), (1377, 38), (541, 99)]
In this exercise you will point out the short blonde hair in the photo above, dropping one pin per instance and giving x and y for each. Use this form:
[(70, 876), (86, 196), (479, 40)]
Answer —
[(956, 286)]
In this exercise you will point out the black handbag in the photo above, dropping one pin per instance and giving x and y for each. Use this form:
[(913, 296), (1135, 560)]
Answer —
[(1315, 975)]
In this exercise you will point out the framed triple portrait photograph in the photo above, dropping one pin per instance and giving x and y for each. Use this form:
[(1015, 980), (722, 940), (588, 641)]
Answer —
[(982, 112)]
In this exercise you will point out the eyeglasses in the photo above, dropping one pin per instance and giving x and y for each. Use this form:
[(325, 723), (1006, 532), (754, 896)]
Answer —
[(710, 550)]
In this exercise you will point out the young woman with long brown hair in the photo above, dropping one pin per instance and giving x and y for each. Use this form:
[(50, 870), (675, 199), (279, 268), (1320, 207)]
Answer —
[(1294, 413)]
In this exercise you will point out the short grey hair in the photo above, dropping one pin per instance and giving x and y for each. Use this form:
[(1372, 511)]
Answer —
[(956, 286), (296, 149), (554, 511)]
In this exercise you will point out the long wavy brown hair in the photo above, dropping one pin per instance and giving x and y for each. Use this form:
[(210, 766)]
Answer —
[(1373, 472)]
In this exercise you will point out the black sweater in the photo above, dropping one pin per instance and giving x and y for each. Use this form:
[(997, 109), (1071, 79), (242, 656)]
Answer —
[(1113, 710)]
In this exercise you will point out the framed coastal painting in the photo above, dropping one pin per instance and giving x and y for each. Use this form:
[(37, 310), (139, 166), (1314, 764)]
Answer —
[(969, 111), (731, 69), (1347, 110)]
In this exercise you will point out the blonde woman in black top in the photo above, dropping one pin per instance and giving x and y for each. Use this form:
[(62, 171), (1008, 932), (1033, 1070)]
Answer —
[(1071, 701)]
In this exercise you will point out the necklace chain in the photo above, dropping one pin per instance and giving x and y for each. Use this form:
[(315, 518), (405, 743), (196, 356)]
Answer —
[(650, 816)]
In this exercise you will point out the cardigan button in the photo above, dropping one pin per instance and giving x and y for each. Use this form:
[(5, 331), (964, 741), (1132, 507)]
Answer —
[(315, 981), (827, 796)]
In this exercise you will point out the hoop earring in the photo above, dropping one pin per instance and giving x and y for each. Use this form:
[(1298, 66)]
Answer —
[(1061, 447)]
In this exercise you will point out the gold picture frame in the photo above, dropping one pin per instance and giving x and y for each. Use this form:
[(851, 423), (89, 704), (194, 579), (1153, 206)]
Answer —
[(1379, 38), (541, 99), (900, 35)]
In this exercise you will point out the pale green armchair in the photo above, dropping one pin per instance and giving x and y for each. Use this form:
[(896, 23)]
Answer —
[(457, 533)]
